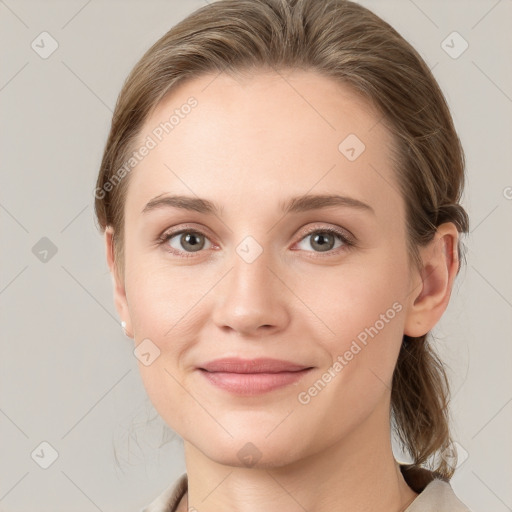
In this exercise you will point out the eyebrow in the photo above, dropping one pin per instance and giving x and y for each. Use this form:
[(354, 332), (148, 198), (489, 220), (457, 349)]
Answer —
[(293, 205)]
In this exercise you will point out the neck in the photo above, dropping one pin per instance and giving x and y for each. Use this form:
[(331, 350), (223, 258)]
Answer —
[(358, 473)]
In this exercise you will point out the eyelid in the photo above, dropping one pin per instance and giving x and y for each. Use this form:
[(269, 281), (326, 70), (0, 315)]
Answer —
[(183, 228), (337, 230)]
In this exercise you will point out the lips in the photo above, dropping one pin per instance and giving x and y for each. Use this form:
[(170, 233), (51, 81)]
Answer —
[(252, 376), (261, 365)]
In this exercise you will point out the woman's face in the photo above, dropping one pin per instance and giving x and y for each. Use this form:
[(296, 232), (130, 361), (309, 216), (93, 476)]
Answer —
[(260, 277)]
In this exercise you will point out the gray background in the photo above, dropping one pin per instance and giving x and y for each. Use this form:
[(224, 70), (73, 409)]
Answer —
[(67, 373)]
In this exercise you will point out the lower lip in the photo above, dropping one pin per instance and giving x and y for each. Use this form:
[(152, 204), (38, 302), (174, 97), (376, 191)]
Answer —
[(253, 383)]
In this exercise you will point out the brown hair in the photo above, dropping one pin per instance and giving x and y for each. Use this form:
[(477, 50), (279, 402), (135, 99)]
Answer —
[(348, 43)]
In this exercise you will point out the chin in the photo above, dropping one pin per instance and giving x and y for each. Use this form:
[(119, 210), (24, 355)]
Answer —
[(252, 452)]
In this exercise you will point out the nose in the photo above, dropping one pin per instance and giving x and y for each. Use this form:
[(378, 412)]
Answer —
[(252, 299)]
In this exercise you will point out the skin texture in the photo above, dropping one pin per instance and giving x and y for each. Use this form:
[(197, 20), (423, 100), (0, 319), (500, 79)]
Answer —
[(249, 144)]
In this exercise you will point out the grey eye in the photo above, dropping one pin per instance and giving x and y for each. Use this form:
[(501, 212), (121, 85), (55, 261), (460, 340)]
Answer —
[(188, 241), (321, 241)]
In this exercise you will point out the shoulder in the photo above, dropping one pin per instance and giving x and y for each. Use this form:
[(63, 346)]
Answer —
[(170, 497), (435, 493)]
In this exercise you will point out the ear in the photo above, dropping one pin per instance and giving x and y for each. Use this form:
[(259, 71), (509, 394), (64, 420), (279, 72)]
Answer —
[(440, 263), (119, 289)]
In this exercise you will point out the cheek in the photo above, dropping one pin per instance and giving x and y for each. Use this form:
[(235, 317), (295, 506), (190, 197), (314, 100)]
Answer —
[(168, 306), (163, 296), (363, 304), (355, 297), (364, 308)]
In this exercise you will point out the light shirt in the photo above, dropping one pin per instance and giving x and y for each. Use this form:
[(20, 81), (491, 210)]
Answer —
[(434, 493)]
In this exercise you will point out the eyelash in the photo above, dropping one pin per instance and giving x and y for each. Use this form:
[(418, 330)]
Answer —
[(348, 243)]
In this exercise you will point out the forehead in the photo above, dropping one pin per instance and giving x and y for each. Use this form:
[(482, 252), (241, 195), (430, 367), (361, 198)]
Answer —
[(267, 135)]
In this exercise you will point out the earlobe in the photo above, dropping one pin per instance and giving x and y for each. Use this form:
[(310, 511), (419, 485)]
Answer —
[(439, 268), (120, 301)]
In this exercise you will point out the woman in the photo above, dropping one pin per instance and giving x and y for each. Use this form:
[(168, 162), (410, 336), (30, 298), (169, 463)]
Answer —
[(280, 198)]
